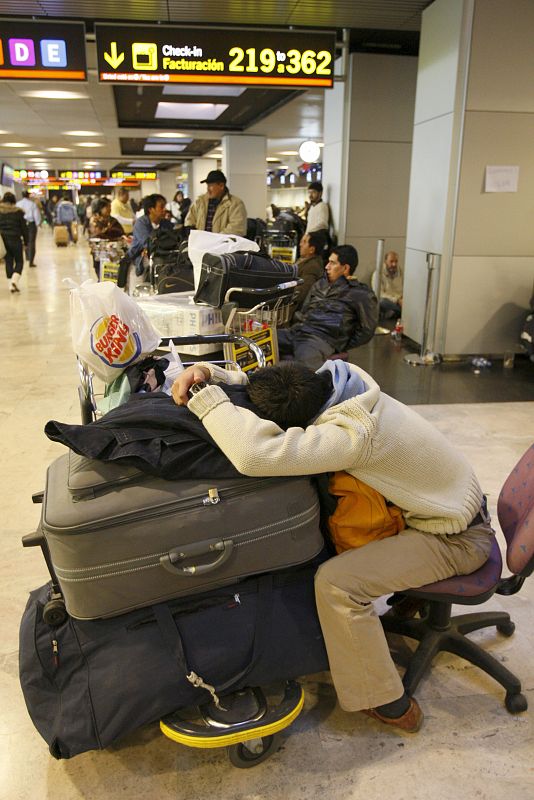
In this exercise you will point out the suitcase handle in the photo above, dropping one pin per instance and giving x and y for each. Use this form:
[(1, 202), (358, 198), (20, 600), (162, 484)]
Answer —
[(173, 557)]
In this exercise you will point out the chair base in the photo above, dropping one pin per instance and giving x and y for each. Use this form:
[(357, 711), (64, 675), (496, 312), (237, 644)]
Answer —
[(438, 631)]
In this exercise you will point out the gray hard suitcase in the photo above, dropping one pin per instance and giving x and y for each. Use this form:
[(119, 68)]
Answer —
[(120, 539)]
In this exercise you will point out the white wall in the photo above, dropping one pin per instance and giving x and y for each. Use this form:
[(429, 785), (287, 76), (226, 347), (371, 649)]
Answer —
[(372, 161), (243, 163), (474, 107)]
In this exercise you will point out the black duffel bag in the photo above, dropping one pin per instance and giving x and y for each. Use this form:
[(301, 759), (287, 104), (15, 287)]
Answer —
[(88, 682), (164, 240), (239, 270), (174, 271)]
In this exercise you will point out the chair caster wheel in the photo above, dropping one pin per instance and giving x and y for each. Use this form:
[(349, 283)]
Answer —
[(515, 703), (506, 628), (248, 754), (54, 612)]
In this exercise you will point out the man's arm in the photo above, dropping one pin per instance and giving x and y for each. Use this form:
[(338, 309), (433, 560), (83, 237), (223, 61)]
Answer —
[(191, 219), (237, 220), (258, 447), (202, 372), (139, 238), (365, 318)]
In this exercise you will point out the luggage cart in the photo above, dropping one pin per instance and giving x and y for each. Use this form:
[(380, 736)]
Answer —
[(280, 245), (248, 722), (256, 314), (107, 254), (89, 392)]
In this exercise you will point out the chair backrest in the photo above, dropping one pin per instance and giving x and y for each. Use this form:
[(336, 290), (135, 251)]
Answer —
[(515, 510)]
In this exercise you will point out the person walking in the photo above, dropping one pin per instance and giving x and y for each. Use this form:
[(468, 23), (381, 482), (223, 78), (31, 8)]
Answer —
[(66, 215), (32, 215), (14, 231)]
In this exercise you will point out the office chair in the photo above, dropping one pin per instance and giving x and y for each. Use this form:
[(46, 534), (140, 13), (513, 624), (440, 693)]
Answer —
[(437, 630)]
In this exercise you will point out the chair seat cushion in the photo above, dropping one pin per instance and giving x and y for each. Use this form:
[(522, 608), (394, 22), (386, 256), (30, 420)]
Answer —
[(468, 589)]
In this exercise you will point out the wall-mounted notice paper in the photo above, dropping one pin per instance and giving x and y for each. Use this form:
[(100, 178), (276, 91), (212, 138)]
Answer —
[(501, 179)]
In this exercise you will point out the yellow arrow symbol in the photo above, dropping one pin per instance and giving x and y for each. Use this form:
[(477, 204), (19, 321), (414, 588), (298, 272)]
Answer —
[(114, 60)]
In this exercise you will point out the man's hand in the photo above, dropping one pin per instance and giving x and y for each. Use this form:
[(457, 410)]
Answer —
[(185, 380)]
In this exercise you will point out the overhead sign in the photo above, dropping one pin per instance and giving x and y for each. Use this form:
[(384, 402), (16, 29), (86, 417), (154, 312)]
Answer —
[(172, 54), (138, 176), (42, 50)]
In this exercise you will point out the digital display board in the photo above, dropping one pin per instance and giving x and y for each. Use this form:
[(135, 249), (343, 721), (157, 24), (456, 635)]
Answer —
[(138, 176), (42, 50), (249, 57)]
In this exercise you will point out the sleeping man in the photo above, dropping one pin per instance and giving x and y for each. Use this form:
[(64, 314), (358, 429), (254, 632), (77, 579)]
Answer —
[(338, 419)]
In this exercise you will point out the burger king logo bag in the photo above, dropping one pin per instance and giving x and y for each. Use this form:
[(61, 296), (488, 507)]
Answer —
[(109, 330)]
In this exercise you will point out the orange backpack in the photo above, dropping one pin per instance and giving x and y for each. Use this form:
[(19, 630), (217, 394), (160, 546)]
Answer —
[(362, 514)]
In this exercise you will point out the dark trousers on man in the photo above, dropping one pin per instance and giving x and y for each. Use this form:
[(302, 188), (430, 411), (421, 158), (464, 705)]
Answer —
[(14, 257), (312, 351), (30, 247)]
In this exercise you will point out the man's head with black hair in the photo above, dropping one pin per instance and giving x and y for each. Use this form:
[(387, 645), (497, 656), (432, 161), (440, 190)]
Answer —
[(154, 207), (315, 192), (103, 205), (342, 262), (290, 394), (312, 244)]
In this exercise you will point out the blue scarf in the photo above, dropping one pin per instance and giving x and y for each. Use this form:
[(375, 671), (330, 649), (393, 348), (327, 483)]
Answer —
[(346, 384)]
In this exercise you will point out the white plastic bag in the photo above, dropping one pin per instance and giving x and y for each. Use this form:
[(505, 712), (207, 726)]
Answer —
[(201, 242), (109, 330)]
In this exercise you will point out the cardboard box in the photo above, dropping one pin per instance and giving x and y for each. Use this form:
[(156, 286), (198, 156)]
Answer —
[(175, 314)]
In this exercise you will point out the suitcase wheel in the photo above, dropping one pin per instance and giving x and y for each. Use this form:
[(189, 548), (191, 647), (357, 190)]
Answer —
[(248, 754), (54, 612)]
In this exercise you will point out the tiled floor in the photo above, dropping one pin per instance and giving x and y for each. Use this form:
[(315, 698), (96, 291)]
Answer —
[(469, 746)]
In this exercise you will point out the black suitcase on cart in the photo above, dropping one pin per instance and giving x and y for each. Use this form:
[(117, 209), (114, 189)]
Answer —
[(118, 539)]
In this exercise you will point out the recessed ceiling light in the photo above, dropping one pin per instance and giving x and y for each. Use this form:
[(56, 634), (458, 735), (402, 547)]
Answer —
[(209, 91), (2, 132), (164, 148), (89, 144), (82, 133), (32, 153), (14, 144), (169, 135), (201, 111), (288, 152), (168, 142), (59, 150), (145, 164), (54, 94), (274, 160)]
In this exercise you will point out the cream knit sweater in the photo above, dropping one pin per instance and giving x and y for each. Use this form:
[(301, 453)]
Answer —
[(372, 436)]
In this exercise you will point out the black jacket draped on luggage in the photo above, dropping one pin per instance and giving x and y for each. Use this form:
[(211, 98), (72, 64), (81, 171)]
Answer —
[(155, 435)]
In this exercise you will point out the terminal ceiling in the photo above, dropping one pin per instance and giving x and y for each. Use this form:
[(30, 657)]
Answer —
[(120, 120)]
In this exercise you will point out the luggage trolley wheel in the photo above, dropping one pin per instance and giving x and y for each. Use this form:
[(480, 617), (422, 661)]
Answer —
[(247, 726), (54, 612)]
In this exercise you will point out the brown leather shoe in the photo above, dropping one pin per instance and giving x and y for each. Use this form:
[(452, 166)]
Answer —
[(410, 721)]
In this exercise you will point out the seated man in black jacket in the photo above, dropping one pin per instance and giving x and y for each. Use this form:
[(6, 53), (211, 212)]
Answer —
[(337, 314)]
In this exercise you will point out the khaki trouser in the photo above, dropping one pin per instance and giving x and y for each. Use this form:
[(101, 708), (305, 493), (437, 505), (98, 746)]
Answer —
[(362, 669)]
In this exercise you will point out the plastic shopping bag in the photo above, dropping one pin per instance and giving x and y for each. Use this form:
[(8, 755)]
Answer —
[(109, 330), (201, 242)]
